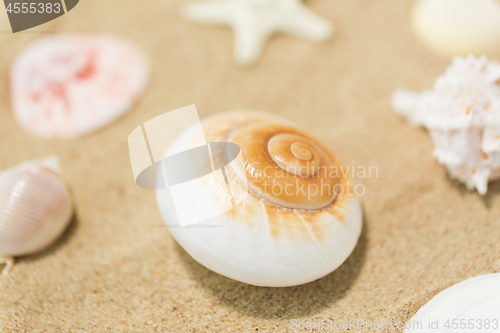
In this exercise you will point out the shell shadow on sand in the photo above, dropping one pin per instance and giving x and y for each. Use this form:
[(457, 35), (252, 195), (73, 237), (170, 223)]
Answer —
[(60, 242), (493, 191), (487, 199), (284, 303)]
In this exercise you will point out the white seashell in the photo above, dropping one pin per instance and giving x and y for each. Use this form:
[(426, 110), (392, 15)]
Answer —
[(472, 305), (457, 27), (268, 238), (35, 207), (68, 85), (462, 115)]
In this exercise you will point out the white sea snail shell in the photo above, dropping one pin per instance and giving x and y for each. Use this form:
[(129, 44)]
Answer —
[(475, 302), (35, 208), (269, 239)]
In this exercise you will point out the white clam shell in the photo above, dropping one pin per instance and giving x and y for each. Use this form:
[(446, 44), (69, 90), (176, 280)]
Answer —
[(257, 242), (469, 305), (457, 27), (35, 207), (462, 115)]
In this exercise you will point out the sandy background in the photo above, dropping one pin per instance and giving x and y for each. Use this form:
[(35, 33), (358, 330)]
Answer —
[(114, 270)]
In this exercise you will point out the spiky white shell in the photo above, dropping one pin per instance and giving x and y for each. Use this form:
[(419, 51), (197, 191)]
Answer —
[(457, 27), (472, 305), (462, 115), (259, 242), (35, 207)]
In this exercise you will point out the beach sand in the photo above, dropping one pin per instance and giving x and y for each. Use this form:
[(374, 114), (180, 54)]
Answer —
[(117, 269)]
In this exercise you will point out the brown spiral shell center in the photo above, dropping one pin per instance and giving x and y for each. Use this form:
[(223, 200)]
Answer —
[(286, 166), (301, 150), (294, 154)]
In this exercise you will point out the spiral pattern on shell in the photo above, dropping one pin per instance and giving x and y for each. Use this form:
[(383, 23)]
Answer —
[(284, 165), (290, 215)]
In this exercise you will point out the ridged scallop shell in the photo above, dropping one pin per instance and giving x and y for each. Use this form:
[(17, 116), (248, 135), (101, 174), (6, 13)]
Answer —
[(469, 306), (268, 239), (35, 207), (458, 27)]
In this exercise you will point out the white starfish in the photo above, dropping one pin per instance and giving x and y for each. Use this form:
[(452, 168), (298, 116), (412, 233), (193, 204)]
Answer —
[(254, 21)]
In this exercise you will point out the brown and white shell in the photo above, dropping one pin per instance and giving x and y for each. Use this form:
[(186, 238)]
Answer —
[(295, 216)]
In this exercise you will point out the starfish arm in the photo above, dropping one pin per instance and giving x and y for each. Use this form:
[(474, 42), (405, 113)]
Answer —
[(307, 24), (253, 21), (217, 11), (249, 40)]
